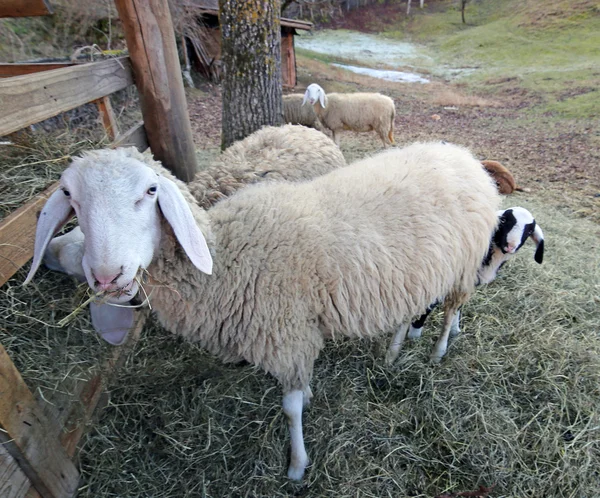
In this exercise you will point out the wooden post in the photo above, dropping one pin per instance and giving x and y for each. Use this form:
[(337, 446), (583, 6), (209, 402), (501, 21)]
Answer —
[(108, 118), (24, 436), (153, 52)]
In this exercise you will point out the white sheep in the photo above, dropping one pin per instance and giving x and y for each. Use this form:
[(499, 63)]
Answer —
[(515, 226), (353, 111), (349, 253), (295, 112), (289, 152)]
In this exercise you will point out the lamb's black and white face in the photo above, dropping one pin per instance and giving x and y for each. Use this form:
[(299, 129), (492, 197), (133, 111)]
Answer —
[(515, 226)]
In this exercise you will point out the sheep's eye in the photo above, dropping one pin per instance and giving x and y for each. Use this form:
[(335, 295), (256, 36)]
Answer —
[(152, 190), (67, 193)]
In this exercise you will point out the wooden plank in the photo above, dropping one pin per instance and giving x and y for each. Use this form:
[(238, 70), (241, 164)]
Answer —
[(13, 482), (108, 118), (24, 8), (136, 136), (17, 235), (9, 70), (153, 52), (40, 457), (29, 99)]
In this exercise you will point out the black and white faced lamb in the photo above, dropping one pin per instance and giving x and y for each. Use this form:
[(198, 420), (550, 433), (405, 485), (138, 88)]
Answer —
[(515, 226)]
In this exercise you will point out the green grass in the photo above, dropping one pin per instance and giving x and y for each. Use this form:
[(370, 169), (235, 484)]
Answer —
[(549, 51)]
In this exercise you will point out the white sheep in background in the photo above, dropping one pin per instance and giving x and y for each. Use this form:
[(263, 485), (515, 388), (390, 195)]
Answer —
[(350, 253), (353, 111), (295, 112), (515, 226)]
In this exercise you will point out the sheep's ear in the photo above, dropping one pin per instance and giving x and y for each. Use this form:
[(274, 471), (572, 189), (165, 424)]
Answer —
[(538, 238), (305, 99), (55, 214), (322, 98), (179, 215), (112, 323)]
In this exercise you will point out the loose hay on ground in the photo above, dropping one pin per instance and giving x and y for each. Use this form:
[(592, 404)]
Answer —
[(515, 403)]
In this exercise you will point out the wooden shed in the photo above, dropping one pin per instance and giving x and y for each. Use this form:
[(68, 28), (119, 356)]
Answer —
[(206, 42)]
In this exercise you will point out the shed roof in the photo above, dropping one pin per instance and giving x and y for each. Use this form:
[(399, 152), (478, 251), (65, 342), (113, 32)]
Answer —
[(212, 7)]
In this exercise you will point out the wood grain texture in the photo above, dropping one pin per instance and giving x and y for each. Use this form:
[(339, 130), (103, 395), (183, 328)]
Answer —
[(9, 70), (153, 52), (29, 99), (17, 235), (108, 118), (40, 456), (24, 8), (13, 482)]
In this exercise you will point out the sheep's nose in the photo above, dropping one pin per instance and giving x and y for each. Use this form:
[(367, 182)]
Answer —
[(106, 280), (510, 248)]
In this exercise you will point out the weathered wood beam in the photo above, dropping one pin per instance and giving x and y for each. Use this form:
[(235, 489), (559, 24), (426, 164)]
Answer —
[(153, 52), (13, 482), (9, 70), (24, 8), (108, 118), (17, 235), (29, 99), (41, 458)]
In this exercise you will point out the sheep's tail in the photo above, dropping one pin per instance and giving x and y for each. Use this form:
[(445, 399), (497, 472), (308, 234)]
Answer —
[(391, 132)]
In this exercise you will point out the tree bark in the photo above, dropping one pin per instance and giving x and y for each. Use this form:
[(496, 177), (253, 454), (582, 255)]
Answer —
[(251, 56)]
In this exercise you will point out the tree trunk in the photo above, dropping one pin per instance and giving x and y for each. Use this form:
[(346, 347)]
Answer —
[(251, 55), (463, 4)]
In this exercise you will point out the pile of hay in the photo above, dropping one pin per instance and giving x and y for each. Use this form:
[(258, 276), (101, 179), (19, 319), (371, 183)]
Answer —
[(515, 404)]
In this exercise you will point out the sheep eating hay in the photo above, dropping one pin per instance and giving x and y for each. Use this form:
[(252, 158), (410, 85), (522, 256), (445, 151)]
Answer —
[(353, 111), (349, 253)]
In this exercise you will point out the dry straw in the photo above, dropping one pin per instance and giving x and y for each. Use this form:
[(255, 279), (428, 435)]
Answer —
[(515, 404)]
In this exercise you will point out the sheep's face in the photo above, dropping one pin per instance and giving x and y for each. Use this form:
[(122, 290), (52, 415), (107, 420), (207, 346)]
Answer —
[(515, 226), (313, 94), (116, 206)]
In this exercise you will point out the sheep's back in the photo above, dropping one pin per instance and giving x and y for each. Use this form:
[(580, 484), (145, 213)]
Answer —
[(357, 111), (288, 152), (365, 246)]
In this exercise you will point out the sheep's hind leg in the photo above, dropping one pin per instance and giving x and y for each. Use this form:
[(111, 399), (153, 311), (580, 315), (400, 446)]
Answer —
[(396, 344), (451, 309), (292, 407)]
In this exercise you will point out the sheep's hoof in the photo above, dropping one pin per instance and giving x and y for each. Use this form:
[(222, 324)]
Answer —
[(296, 471), (391, 356), (454, 332), (436, 358)]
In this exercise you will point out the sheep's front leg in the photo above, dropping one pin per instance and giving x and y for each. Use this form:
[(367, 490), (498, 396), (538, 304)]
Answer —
[(292, 407), (396, 344), (455, 327), (451, 315)]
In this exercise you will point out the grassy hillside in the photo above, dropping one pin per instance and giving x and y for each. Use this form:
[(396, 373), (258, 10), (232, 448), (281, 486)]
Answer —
[(547, 48)]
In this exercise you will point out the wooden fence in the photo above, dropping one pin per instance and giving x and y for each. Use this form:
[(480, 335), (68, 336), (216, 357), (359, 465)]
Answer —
[(37, 441)]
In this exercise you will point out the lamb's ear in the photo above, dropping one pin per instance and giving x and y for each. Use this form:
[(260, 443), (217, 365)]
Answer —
[(322, 98), (538, 238), (55, 214), (179, 215)]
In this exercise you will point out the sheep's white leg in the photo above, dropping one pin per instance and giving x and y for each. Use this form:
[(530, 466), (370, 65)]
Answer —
[(451, 308), (455, 327), (292, 407), (415, 332), (396, 344)]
